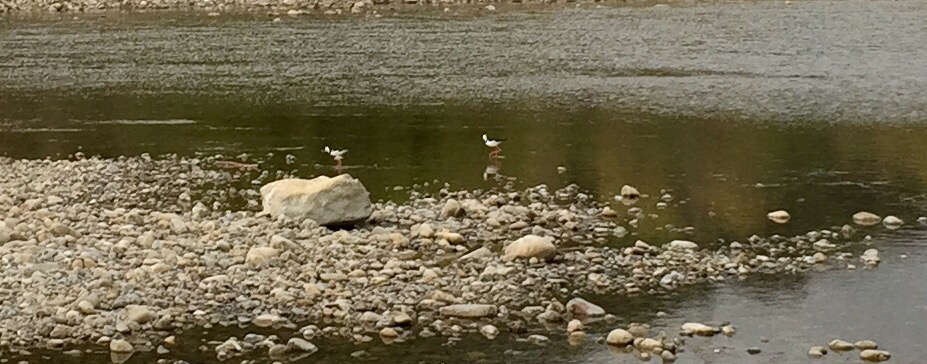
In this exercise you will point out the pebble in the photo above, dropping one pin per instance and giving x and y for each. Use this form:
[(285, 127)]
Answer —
[(865, 218), (840, 345), (489, 331), (779, 216), (875, 355), (120, 346), (866, 344), (753, 350), (817, 351), (619, 337)]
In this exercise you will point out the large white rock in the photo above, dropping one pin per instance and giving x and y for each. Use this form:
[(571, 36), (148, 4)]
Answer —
[(531, 246), (328, 201), (629, 192)]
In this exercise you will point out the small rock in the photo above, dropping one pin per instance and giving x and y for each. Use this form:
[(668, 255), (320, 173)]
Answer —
[(753, 350), (870, 257), (892, 222), (489, 331), (779, 217), (260, 255), (490, 7), (468, 310), (682, 245), (875, 355), (530, 246), (866, 345), (629, 192), (120, 346), (574, 325), (389, 333), (266, 320), (695, 328), (727, 330), (866, 218), (582, 308), (619, 337), (538, 339), (840, 345), (817, 351)]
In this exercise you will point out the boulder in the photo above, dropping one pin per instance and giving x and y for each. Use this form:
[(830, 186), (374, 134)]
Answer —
[(530, 246), (874, 355), (866, 218), (619, 337), (582, 308), (468, 310), (327, 200), (779, 217)]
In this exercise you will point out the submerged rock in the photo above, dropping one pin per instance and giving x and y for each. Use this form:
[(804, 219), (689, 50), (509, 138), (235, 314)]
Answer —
[(328, 201)]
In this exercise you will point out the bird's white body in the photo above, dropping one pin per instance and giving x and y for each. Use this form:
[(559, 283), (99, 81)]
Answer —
[(490, 142), (337, 155)]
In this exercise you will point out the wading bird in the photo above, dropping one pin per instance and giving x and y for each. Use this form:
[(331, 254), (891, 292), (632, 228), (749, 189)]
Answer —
[(494, 144), (337, 155)]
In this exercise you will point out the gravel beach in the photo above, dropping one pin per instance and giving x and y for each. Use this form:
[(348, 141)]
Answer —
[(127, 252)]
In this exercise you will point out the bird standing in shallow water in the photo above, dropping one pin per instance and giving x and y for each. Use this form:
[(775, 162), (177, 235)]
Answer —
[(493, 143), (337, 155)]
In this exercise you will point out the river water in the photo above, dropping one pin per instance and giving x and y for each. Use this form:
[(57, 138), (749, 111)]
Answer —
[(736, 109)]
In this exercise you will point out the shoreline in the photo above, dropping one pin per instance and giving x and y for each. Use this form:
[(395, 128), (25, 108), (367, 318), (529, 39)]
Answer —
[(127, 252), (327, 8)]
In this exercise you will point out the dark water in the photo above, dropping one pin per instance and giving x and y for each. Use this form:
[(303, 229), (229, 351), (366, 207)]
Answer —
[(819, 108)]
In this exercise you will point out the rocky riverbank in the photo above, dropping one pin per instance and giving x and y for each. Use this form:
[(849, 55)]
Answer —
[(127, 252), (286, 7)]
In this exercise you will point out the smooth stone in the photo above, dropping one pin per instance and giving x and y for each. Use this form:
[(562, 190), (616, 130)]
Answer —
[(530, 246), (582, 308), (619, 337), (120, 346), (695, 328), (866, 218), (470, 310), (574, 325), (753, 350), (817, 351), (892, 222), (301, 345), (629, 192), (840, 345), (866, 345), (489, 331), (870, 256), (779, 217), (682, 245), (875, 355)]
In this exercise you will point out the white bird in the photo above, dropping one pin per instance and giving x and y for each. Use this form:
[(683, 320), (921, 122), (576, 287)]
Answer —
[(337, 155), (493, 143)]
